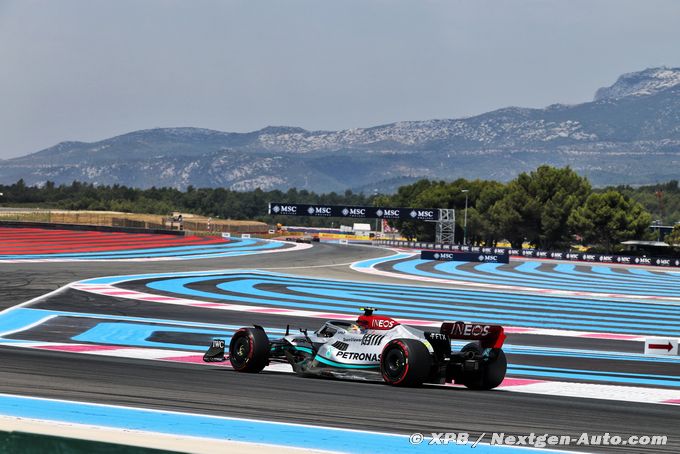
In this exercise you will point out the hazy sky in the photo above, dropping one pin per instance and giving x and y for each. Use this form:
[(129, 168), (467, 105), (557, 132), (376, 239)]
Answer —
[(88, 70)]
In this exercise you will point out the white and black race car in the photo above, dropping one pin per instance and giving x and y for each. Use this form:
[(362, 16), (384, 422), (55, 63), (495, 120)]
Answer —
[(375, 347)]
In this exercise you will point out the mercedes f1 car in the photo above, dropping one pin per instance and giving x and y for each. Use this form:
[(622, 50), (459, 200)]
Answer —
[(372, 348)]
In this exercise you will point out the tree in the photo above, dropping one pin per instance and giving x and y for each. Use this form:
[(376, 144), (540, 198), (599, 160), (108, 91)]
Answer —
[(536, 207), (608, 218), (516, 215), (673, 238)]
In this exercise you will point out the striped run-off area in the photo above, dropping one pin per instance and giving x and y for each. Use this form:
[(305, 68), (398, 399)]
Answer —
[(41, 245), (546, 277)]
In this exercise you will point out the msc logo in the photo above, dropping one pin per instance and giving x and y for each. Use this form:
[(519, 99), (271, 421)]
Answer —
[(319, 211), (422, 214), (355, 212), (387, 213), (285, 209)]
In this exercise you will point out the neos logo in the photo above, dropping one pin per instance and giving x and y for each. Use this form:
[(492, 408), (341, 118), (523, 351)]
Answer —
[(464, 329), (380, 323)]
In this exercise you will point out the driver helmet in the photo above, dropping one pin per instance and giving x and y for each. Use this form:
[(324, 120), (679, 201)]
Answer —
[(355, 329)]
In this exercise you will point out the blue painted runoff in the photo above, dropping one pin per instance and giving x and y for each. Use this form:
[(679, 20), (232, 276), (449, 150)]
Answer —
[(225, 428)]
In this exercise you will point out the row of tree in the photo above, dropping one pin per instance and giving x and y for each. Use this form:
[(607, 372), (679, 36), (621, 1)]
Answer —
[(549, 207)]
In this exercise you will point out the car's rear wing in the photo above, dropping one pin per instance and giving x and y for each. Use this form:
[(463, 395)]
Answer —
[(489, 336)]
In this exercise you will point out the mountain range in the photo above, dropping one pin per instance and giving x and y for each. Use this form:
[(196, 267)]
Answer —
[(628, 134)]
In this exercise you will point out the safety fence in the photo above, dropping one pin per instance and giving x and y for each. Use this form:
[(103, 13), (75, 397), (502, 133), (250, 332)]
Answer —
[(133, 221), (537, 253)]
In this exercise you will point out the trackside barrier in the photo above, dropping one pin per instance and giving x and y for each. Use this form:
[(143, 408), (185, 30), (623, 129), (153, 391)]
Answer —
[(29, 443), (537, 253), (464, 257)]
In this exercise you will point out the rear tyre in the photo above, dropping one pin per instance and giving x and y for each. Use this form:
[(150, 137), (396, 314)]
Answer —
[(491, 372), (405, 362), (249, 350)]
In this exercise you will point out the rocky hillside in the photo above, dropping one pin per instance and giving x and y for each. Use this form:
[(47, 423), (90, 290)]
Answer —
[(630, 133)]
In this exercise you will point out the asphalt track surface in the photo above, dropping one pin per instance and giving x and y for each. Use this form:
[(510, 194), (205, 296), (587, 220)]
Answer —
[(286, 397)]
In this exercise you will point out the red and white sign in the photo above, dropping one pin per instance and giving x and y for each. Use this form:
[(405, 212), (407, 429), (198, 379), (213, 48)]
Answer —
[(661, 346)]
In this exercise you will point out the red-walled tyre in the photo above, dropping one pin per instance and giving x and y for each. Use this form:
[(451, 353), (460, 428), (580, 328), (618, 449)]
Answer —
[(249, 350), (492, 371), (405, 362)]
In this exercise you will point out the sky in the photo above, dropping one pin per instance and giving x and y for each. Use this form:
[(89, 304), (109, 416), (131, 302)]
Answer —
[(88, 70)]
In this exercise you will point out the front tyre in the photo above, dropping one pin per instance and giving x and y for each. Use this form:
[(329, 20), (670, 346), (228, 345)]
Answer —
[(405, 362), (249, 350), (491, 371)]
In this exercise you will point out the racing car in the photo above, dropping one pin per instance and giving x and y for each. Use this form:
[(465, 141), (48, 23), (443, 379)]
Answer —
[(375, 348)]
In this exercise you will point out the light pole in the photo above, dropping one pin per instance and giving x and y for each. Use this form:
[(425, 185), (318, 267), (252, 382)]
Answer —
[(465, 222)]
